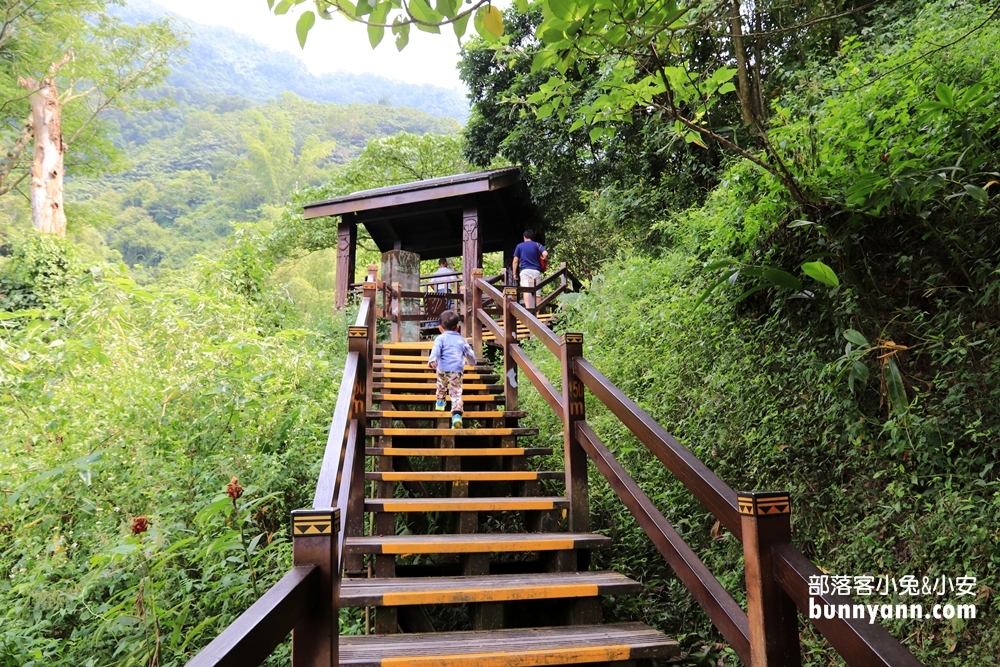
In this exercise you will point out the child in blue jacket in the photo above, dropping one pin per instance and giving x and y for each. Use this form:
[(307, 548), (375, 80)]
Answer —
[(448, 357)]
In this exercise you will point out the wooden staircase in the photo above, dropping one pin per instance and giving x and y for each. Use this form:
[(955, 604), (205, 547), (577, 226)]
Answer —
[(468, 560)]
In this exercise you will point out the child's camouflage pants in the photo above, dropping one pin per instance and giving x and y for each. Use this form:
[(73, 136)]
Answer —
[(450, 383)]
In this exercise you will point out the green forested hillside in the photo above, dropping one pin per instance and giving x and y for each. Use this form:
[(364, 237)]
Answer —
[(225, 62)]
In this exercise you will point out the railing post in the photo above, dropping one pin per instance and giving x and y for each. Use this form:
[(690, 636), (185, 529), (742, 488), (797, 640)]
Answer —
[(576, 458), (477, 302), (373, 273), (354, 522), (774, 634), (563, 280), (316, 639), (509, 325)]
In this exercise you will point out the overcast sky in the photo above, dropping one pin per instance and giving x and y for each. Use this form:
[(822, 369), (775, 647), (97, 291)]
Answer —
[(335, 45)]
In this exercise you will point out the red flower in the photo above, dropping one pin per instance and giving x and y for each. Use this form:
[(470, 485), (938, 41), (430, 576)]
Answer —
[(233, 489), (140, 525)]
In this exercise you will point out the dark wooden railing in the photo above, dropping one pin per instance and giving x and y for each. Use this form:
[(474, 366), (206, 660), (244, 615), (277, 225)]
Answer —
[(777, 574), (305, 601)]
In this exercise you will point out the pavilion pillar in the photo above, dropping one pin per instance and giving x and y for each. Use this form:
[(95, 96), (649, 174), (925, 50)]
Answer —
[(347, 241), (403, 268), (472, 253)]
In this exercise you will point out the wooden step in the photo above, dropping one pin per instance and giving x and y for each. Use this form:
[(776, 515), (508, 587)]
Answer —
[(431, 376), (404, 432), (429, 386), (490, 588), (420, 345), (419, 363), (437, 414), (464, 476), (458, 451), (430, 398), (473, 543), (528, 647), (511, 504)]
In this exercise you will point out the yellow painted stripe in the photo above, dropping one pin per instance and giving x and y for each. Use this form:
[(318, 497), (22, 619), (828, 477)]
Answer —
[(430, 397), (407, 346), (430, 375), (433, 414), (470, 505), (458, 547), (453, 451), (429, 385), (446, 431), (491, 594), (459, 476), (537, 658)]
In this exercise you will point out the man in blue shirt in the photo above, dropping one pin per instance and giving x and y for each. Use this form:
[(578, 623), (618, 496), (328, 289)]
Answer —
[(527, 265)]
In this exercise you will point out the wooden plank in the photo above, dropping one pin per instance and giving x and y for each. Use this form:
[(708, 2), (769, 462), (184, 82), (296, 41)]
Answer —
[(451, 431), (713, 493), (474, 543), (464, 476), (538, 328), (333, 455), (513, 504), (435, 414), (858, 642), (528, 647), (430, 376), (429, 386), (724, 612), (490, 588), (248, 640), (429, 398), (456, 451), (424, 345)]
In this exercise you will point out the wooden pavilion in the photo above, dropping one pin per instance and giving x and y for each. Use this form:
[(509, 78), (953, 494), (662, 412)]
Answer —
[(462, 215)]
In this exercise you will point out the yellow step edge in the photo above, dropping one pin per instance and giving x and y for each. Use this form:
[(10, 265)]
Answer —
[(464, 505), (407, 548), (491, 594), (445, 431), (460, 476), (453, 451), (428, 385), (389, 398), (538, 658), (437, 414)]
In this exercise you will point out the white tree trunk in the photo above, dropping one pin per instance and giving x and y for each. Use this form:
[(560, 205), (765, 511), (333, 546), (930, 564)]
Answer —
[(47, 211)]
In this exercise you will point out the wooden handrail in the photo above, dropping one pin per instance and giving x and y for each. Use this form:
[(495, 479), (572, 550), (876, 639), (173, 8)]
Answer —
[(541, 383), (549, 298), (539, 285), (247, 641), (720, 606), (489, 290), (333, 456), (858, 642), (490, 323), (344, 490), (537, 328), (713, 493)]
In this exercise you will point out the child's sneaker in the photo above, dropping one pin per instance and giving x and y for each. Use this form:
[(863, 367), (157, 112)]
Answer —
[(439, 406), (456, 420)]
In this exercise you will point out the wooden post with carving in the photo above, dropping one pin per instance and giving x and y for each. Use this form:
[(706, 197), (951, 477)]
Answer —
[(371, 294), (774, 633), (576, 458), (347, 237), (396, 312), (472, 250), (316, 639), (477, 302)]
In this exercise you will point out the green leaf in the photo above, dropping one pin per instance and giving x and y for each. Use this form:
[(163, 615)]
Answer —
[(283, 7), (977, 193), (564, 9), (421, 11), (783, 279), (448, 8), (721, 263), (402, 32), (596, 133), (945, 94), (460, 25), (379, 15), (303, 26), (521, 5), (895, 387), (821, 272), (854, 336), (713, 286)]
